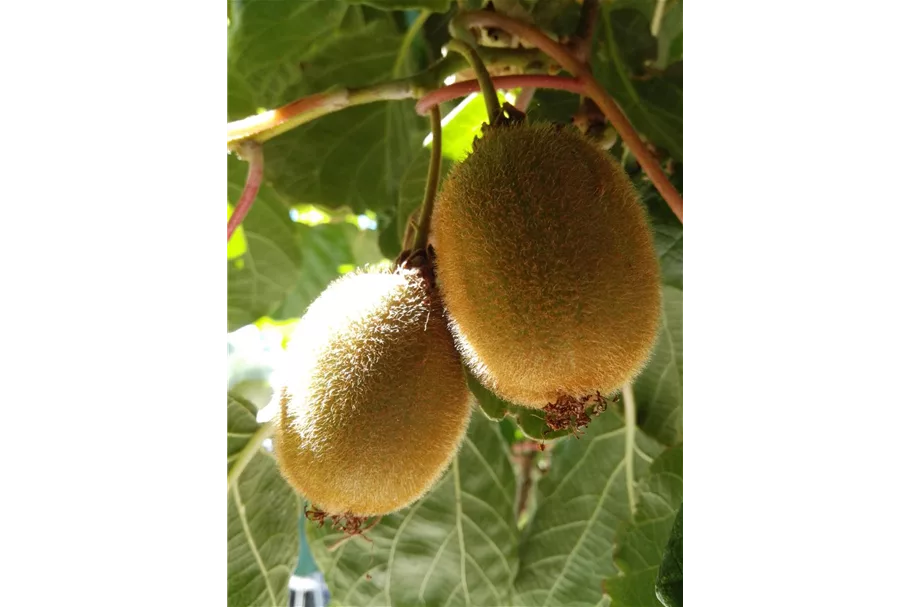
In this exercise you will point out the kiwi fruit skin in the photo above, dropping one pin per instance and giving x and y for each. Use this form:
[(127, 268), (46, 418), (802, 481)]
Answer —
[(374, 402), (546, 264)]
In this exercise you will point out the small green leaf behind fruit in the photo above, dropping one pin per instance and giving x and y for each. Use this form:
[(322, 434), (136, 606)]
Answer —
[(532, 422)]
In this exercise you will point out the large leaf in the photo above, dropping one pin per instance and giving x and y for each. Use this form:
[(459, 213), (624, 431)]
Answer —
[(281, 51), (581, 502), (263, 275), (437, 6), (456, 546), (641, 544), (267, 40), (659, 389), (669, 584), (667, 229), (263, 511), (653, 103)]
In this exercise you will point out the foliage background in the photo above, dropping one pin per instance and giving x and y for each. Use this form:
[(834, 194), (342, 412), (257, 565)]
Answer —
[(336, 195)]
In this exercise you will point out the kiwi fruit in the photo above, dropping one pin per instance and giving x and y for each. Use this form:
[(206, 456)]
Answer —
[(546, 265), (373, 402)]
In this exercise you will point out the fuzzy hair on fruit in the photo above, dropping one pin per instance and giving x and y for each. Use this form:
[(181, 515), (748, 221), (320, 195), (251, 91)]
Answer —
[(374, 403), (546, 264)]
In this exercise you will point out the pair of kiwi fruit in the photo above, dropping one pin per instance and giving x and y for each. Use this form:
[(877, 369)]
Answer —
[(544, 282)]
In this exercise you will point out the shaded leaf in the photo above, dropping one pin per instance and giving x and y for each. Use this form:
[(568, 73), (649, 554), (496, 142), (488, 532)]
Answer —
[(669, 585), (411, 189), (490, 404), (667, 230), (659, 389), (281, 51), (533, 423), (641, 543), (580, 504), (436, 6), (267, 40), (652, 103), (670, 37), (552, 106), (556, 16), (456, 546), (261, 277), (263, 510), (389, 240)]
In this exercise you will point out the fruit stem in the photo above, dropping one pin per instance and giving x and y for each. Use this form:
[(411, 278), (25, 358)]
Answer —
[(252, 152), (460, 89), (578, 69), (483, 76), (433, 180), (250, 449)]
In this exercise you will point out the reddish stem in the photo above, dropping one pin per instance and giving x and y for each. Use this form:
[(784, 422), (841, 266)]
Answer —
[(460, 89), (252, 152)]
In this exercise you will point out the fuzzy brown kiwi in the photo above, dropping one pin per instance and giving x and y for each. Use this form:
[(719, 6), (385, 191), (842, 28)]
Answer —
[(546, 265), (374, 401)]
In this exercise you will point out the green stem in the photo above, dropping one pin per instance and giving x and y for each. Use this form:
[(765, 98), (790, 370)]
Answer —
[(433, 180), (483, 76), (250, 449)]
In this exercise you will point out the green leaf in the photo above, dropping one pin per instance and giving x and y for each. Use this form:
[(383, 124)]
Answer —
[(670, 37), (667, 230), (659, 389), (492, 406), (581, 502), (267, 40), (464, 126), (389, 240), (533, 423), (632, 34), (552, 106), (263, 511), (325, 249), (357, 156), (653, 103), (261, 278), (411, 189), (669, 585), (281, 51), (456, 546), (556, 16), (436, 6), (640, 545)]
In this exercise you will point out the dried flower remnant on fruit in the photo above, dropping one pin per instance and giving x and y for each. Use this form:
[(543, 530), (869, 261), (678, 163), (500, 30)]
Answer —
[(571, 413)]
